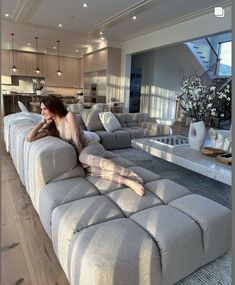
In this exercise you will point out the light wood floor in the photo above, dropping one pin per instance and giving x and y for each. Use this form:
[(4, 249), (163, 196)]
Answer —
[(27, 253)]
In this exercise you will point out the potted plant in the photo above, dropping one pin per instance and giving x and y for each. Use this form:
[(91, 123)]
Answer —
[(38, 85)]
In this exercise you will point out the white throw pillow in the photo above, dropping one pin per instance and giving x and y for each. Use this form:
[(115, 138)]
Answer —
[(109, 121), (22, 107), (92, 136)]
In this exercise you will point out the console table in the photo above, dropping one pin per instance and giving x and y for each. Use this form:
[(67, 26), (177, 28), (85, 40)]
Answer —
[(186, 157)]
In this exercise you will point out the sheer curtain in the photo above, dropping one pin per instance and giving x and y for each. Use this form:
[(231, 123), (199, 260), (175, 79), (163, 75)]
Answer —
[(158, 102)]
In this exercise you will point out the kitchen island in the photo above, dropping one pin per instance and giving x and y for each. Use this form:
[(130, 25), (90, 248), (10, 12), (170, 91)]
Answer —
[(10, 100)]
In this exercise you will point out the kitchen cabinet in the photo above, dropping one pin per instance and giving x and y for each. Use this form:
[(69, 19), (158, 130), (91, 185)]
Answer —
[(71, 71), (5, 67), (103, 69), (26, 62)]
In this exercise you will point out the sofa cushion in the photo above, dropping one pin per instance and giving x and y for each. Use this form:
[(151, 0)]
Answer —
[(178, 237), (116, 139), (145, 174), (80, 121), (114, 252), (103, 185), (130, 203), (76, 108), (81, 214), (91, 120), (109, 121), (134, 133), (51, 157), (167, 190), (203, 211), (77, 171), (92, 136), (60, 192)]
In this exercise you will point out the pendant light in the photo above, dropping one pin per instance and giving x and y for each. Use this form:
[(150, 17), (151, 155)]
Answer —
[(59, 72), (13, 68), (37, 70)]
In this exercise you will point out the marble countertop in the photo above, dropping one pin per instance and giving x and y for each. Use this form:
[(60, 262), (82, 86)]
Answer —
[(188, 158)]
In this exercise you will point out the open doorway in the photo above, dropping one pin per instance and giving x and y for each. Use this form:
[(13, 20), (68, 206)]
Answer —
[(135, 90)]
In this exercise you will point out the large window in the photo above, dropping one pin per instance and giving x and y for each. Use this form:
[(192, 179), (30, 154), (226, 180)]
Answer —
[(225, 54)]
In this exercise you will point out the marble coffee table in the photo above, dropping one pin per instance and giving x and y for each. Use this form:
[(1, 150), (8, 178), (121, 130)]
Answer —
[(186, 157)]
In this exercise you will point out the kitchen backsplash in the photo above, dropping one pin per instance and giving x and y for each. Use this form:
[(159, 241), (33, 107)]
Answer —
[(26, 86)]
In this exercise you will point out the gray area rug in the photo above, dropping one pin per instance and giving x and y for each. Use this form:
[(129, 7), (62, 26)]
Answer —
[(216, 272), (219, 270), (196, 183)]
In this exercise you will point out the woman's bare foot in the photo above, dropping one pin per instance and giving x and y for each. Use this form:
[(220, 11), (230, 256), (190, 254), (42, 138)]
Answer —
[(137, 187), (136, 177)]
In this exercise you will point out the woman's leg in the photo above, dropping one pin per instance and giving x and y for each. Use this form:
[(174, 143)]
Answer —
[(114, 177), (93, 156)]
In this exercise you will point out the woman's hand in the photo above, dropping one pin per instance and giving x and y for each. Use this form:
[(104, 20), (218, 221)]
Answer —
[(47, 120)]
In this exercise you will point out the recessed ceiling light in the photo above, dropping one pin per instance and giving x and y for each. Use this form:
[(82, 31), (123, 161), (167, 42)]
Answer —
[(29, 44), (54, 47), (134, 18), (101, 33), (60, 25), (85, 5), (76, 50), (6, 15)]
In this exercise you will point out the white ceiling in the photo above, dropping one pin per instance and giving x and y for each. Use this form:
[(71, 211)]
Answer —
[(81, 26)]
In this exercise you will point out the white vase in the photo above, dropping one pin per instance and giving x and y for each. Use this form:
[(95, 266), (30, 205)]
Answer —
[(197, 134), (39, 92)]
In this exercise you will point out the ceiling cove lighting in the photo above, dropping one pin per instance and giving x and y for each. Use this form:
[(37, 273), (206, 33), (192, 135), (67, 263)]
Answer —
[(13, 68), (59, 72), (37, 70)]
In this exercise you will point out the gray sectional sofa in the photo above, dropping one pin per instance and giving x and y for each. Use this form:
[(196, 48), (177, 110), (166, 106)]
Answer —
[(133, 126), (102, 232)]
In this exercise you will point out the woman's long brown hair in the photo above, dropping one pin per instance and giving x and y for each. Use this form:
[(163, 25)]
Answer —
[(56, 106)]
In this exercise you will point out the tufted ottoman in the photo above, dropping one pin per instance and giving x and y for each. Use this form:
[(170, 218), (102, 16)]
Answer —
[(120, 238)]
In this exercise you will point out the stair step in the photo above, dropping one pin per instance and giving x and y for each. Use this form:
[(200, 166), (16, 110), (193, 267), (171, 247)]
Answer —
[(199, 52), (205, 61), (196, 47), (202, 57)]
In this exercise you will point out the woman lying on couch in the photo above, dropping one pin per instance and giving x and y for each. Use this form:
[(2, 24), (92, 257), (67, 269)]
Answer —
[(63, 124)]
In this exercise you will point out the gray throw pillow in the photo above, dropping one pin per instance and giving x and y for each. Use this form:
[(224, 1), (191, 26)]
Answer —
[(92, 121)]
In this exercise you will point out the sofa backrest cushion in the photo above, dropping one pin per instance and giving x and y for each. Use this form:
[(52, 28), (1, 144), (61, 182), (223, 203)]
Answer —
[(76, 108), (109, 121), (91, 120), (45, 160), (131, 119), (80, 121)]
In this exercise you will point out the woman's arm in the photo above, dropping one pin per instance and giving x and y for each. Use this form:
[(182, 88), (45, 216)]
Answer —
[(75, 131), (36, 133)]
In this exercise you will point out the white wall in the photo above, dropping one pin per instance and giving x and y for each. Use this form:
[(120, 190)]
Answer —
[(197, 27), (161, 78)]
